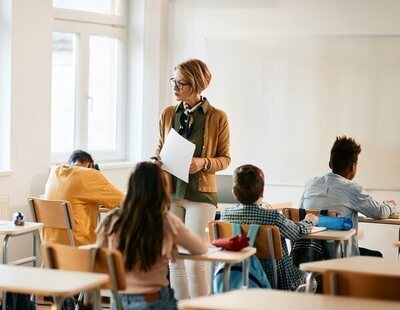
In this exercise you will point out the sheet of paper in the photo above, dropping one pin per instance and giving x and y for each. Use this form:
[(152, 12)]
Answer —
[(315, 229), (176, 155)]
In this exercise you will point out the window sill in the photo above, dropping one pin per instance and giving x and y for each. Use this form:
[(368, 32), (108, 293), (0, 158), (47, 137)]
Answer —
[(116, 165), (5, 173)]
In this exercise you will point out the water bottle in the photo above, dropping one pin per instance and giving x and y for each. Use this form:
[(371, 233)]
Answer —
[(335, 222)]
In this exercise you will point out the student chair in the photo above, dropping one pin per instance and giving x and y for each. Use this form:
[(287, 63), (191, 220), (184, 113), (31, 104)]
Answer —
[(363, 285), (89, 259), (54, 214), (268, 241)]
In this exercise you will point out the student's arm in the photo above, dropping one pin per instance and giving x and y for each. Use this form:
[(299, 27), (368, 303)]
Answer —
[(101, 190), (365, 204), (291, 230)]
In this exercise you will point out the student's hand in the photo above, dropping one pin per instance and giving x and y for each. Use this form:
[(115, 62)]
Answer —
[(196, 165), (391, 202), (312, 217)]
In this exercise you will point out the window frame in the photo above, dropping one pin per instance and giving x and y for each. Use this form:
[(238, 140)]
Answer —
[(83, 25)]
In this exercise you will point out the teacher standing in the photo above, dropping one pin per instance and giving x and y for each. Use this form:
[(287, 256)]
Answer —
[(195, 202)]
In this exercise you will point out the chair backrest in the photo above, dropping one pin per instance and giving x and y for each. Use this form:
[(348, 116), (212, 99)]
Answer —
[(88, 259), (293, 213), (53, 214), (364, 285), (268, 238)]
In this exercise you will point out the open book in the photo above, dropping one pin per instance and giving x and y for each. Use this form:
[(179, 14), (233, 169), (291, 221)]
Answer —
[(315, 229)]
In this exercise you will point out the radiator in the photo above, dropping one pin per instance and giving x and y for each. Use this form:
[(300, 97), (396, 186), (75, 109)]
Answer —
[(4, 208)]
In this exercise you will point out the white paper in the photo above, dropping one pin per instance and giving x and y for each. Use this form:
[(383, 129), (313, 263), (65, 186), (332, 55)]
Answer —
[(176, 155)]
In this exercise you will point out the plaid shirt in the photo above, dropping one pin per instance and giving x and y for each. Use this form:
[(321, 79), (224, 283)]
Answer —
[(289, 276)]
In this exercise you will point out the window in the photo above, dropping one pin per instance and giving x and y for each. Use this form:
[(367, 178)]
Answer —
[(5, 84), (87, 80)]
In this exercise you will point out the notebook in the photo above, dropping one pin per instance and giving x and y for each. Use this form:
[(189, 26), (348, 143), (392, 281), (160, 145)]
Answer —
[(317, 229)]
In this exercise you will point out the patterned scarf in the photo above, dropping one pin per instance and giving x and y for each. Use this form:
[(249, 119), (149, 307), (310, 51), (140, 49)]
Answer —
[(186, 119)]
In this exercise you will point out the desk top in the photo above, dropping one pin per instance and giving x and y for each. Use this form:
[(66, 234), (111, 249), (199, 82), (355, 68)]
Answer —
[(221, 256), (368, 264), (8, 227), (262, 299), (61, 283), (379, 221), (336, 235)]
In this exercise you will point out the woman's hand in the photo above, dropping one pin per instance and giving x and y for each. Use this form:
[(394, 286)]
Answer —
[(312, 217), (197, 164)]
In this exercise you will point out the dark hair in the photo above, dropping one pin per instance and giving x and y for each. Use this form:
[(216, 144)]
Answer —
[(81, 156), (248, 183), (139, 228), (344, 153)]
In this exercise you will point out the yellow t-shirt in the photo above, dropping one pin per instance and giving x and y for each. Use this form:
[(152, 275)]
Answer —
[(85, 189)]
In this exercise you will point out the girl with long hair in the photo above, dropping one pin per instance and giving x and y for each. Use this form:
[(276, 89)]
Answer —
[(147, 234)]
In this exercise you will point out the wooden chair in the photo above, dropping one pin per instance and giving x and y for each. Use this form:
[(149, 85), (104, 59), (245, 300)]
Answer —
[(364, 285), (54, 214), (293, 213), (268, 241), (89, 259)]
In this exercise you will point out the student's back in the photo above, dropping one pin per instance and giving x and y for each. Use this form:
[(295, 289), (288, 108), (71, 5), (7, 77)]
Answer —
[(248, 188), (147, 235), (85, 189)]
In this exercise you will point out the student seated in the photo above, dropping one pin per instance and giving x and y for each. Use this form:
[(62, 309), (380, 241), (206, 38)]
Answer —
[(147, 234), (85, 188), (335, 191), (248, 188)]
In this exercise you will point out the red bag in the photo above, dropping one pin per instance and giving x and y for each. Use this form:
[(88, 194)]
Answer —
[(235, 243)]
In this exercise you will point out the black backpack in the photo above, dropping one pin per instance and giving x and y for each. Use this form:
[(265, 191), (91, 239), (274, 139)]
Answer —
[(16, 301), (305, 250)]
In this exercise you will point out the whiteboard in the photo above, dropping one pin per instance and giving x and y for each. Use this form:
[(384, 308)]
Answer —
[(287, 98)]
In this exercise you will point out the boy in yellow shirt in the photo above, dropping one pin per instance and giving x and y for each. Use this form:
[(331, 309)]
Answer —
[(85, 188)]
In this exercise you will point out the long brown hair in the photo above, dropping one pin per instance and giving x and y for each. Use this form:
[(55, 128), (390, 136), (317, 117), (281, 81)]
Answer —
[(139, 228)]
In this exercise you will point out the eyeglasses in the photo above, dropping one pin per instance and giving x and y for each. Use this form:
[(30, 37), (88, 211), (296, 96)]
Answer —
[(176, 83)]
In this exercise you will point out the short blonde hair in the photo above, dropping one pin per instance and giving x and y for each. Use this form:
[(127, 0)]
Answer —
[(196, 73)]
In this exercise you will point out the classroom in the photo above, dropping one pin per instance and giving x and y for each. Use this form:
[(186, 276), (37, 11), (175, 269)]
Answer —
[(291, 76)]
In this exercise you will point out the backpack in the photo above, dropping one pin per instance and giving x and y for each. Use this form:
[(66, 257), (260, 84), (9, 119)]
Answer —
[(305, 250), (257, 276), (16, 301)]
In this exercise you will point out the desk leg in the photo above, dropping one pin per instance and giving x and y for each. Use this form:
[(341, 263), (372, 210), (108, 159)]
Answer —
[(337, 249), (227, 276), (246, 271), (212, 271), (5, 261), (309, 282)]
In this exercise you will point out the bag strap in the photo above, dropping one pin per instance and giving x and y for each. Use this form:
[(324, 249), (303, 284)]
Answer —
[(252, 234), (302, 214), (236, 229)]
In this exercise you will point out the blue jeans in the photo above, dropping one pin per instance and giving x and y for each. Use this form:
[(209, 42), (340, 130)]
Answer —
[(167, 301)]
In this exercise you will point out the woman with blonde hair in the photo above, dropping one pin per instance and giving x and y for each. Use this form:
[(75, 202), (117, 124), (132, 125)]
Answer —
[(195, 119)]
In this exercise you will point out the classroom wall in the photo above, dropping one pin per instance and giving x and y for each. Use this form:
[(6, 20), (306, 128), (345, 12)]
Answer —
[(162, 33)]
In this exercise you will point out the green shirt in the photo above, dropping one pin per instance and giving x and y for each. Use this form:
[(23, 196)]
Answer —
[(190, 190)]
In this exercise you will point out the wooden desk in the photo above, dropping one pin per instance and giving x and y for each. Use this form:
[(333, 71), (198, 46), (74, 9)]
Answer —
[(259, 299), (57, 283), (227, 257), (367, 264), (379, 221), (9, 230), (337, 236)]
